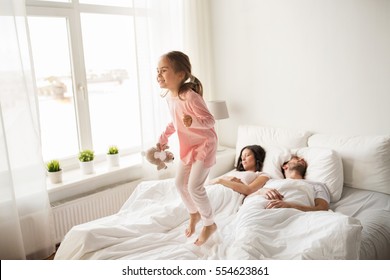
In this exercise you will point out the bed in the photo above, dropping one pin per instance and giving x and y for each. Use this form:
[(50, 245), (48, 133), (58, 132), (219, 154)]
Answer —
[(151, 224)]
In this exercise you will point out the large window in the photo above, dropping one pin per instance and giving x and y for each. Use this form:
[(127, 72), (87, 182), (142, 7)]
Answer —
[(86, 71)]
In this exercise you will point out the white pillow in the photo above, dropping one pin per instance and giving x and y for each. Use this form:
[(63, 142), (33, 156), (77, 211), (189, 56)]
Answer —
[(366, 159), (324, 165), (269, 137), (274, 158)]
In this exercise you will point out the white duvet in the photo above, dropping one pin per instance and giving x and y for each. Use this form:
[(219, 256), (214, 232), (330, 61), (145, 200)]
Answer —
[(151, 225)]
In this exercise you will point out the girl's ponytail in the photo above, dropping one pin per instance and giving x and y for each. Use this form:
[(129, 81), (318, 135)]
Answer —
[(192, 83)]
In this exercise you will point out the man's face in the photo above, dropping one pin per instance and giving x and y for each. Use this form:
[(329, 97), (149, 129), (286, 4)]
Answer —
[(296, 161), (295, 164)]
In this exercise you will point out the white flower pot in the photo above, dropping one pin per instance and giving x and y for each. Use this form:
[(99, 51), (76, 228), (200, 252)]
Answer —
[(113, 160), (87, 167), (55, 177)]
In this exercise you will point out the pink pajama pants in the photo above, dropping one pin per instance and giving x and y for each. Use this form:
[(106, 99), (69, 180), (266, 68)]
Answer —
[(190, 181)]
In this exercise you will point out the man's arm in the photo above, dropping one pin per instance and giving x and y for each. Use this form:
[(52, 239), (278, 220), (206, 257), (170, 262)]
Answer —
[(319, 205)]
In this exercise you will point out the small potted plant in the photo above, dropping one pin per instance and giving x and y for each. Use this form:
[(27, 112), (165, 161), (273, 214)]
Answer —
[(54, 171), (86, 158), (113, 156)]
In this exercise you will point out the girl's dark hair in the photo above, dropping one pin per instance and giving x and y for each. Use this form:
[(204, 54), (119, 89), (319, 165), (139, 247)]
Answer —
[(181, 62), (259, 154)]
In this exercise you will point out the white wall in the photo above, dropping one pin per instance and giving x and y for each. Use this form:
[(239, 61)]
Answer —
[(317, 65)]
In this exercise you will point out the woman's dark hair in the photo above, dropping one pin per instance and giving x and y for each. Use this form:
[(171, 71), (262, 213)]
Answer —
[(181, 63), (259, 154)]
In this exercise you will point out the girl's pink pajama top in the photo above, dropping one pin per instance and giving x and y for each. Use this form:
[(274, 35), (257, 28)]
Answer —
[(199, 141)]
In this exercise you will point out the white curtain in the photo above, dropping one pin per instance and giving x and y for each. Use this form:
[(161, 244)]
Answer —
[(198, 42), (157, 33), (25, 215)]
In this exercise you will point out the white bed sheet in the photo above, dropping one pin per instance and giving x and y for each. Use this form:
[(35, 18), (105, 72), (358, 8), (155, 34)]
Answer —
[(151, 225), (373, 211)]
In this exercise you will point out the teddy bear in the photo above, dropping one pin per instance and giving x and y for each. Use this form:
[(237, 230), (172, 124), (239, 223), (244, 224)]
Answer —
[(159, 158)]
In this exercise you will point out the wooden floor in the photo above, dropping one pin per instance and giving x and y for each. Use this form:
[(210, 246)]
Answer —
[(51, 257)]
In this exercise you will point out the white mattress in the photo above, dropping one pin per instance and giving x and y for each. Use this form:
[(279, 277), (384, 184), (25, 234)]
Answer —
[(373, 211)]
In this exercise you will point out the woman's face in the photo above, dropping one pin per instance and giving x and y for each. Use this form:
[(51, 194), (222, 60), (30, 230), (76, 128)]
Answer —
[(167, 77), (248, 160)]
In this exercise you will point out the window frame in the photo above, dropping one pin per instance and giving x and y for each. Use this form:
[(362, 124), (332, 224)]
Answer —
[(72, 13)]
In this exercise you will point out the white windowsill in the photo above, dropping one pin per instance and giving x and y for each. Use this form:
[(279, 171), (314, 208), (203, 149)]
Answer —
[(75, 184)]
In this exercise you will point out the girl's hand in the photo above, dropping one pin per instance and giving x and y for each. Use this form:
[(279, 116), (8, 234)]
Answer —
[(187, 120), (161, 147)]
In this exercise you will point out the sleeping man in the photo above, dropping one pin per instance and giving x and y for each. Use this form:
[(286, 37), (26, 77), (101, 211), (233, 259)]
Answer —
[(283, 220), (293, 191)]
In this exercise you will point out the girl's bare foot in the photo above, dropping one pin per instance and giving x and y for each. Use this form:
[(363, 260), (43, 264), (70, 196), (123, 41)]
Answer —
[(194, 219), (207, 231)]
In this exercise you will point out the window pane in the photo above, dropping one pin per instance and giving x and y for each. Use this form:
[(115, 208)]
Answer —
[(119, 3), (50, 48), (112, 81)]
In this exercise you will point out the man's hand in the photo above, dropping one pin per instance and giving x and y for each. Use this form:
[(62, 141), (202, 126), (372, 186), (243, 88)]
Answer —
[(273, 194), (277, 204)]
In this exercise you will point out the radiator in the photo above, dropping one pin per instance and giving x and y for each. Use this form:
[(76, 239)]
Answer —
[(88, 208)]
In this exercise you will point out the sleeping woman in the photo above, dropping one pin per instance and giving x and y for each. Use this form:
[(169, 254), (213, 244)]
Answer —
[(247, 178)]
